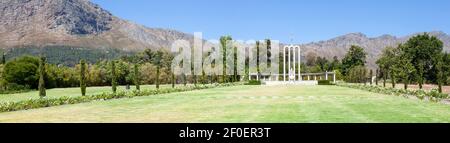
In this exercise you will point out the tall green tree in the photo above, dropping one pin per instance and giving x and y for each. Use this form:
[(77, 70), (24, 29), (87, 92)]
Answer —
[(137, 76), (354, 57), (42, 72), (158, 58), (83, 77), (335, 64), (422, 49), (22, 71), (173, 79), (223, 42), (403, 67), (376, 76), (386, 63), (441, 70), (113, 76)]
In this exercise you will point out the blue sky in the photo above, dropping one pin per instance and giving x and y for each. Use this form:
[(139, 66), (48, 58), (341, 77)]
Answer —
[(301, 20)]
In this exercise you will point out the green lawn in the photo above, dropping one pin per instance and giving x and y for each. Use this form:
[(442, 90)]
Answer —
[(58, 92), (246, 104)]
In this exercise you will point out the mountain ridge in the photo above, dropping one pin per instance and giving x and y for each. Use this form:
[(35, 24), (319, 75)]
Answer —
[(373, 46), (83, 24)]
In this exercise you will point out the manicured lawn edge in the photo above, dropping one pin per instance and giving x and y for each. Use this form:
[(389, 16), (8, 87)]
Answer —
[(432, 95), (49, 102)]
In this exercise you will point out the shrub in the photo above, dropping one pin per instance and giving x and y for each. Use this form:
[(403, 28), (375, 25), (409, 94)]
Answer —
[(325, 82), (432, 95), (253, 82)]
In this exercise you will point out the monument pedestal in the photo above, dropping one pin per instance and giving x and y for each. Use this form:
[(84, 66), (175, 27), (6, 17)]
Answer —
[(269, 83)]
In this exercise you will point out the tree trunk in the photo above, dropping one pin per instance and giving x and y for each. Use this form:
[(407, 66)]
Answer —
[(376, 78), (157, 76), (173, 80), (384, 79), (393, 80), (406, 84)]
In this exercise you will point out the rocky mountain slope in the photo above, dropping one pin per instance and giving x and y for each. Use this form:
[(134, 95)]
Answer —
[(373, 46), (78, 23), (65, 30)]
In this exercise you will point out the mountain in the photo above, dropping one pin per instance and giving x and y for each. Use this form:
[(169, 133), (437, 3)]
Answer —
[(74, 24), (373, 46), (68, 30)]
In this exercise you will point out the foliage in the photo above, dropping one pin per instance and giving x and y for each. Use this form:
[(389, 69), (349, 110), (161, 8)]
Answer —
[(432, 95), (325, 82), (422, 49), (22, 71), (83, 77), (253, 82), (357, 74), (42, 73), (224, 49), (137, 76), (113, 76), (354, 57)]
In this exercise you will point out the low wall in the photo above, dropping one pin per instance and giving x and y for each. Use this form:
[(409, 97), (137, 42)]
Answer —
[(310, 83)]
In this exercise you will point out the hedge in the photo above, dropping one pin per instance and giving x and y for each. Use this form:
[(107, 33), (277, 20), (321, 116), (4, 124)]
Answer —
[(49, 102), (253, 82), (324, 82), (432, 95)]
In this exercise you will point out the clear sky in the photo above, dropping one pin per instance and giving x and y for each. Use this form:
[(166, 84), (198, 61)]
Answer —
[(301, 20)]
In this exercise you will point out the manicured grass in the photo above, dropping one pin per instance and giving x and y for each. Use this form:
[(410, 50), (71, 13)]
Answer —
[(59, 92), (246, 104)]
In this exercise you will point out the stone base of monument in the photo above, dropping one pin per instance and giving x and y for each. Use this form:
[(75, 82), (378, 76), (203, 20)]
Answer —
[(309, 82)]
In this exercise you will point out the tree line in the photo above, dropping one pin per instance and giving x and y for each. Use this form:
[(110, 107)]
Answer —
[(419, 60)]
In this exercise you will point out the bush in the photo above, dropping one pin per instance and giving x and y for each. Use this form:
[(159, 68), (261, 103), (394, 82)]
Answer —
[(432, 95), (253, 82), (325, 82)]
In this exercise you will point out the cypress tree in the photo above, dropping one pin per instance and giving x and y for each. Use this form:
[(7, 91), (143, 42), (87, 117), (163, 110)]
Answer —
[(173, 80), (440, 72), (158, 67), (41, 85), (385, 75), (376, 77), (113, 76), (137, 77), (83, 77)]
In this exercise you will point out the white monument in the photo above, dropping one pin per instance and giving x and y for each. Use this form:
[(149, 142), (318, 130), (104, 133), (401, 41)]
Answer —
[(291, 70)]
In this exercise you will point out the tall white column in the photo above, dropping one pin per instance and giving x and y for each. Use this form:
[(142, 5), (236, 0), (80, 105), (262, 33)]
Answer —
[(294, 59), (326, 75), (289, 62), (334, 77), (284, 63), (299, 63)]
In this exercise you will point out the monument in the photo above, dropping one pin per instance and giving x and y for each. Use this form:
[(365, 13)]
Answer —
[(292, 70)]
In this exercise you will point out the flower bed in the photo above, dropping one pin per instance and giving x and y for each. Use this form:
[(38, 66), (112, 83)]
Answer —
[(432, 95), (49, 102)]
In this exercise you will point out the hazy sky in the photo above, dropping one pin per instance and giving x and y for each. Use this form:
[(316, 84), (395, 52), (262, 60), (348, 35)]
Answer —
[(301, 20)]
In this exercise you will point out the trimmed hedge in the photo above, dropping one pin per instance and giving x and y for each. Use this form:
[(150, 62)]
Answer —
[(325, 82), (253, 82), (49, 102), (432, 95)]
